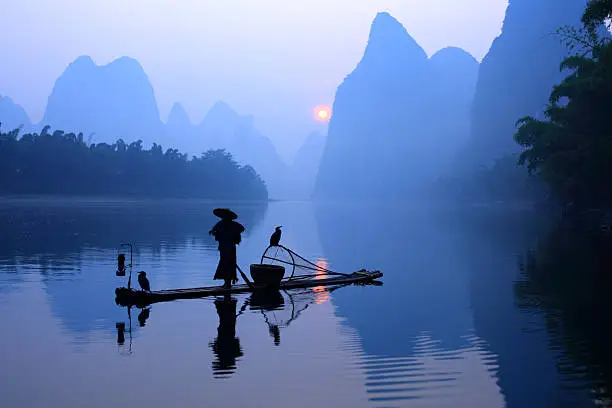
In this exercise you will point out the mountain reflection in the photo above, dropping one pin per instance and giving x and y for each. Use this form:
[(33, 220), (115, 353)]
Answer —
[(71, 247), (527, 369), (449, 295), (424, 291)]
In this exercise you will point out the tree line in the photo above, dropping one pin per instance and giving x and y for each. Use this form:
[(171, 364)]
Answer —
[(63, 163), (565, 158), (571, 148)]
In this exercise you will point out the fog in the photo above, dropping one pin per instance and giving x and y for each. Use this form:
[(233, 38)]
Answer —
[(443, 162), (273, 59), (418, 92)]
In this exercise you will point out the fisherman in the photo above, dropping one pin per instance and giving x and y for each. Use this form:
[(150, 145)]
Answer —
[(227, 233)]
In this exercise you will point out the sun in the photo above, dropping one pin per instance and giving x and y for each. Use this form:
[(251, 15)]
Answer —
[(322, 113)]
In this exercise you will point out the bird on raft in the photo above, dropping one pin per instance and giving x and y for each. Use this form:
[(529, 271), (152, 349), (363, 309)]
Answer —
[(276, 237), (143, 281)]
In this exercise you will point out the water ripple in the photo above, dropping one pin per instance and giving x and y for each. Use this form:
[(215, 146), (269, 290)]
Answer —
[(433, 375)]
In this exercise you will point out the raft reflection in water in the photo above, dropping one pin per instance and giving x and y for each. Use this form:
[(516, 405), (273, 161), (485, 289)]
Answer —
[(278, 308), (226, 345), (121, 329)]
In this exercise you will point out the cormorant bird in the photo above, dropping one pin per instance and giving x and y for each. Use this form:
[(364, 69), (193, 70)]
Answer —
[(143, 281), (276, 236)]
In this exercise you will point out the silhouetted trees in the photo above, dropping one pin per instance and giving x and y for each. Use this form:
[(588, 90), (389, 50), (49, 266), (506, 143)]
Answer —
[(571, 149), (62, 163), (596, 13)]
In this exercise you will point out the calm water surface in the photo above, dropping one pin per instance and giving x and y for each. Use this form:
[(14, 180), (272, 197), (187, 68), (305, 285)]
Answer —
[(447, 329)]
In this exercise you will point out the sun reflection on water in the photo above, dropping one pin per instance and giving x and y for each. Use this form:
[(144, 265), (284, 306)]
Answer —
[(321, 291)]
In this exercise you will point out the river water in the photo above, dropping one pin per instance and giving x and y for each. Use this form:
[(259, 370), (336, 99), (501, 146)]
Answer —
[(458, 321)]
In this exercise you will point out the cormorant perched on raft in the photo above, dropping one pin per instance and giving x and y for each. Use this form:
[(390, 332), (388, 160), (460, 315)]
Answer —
[(143, 281), (276, 236)]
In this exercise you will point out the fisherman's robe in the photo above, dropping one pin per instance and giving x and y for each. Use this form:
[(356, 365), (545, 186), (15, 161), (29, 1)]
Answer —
[(227, 233)]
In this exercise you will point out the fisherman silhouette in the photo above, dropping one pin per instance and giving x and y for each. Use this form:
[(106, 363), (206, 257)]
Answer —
[(276, 237), (143, 281), (226, 346), (227, 233)]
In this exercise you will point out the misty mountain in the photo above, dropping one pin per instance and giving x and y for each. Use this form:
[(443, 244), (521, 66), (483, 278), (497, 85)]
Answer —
[(179, 129), (398, 117), (116, 101), (13, 115), (454, 77), (224, 128), (518, 73), (303, 172), (113, 101)]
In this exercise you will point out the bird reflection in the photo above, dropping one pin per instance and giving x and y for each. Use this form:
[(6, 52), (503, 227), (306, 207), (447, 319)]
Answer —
[(226, 346), (143, 316), (266, 301)]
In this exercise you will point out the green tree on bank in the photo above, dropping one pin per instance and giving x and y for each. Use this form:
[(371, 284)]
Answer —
[(62, 163), (571, 149)]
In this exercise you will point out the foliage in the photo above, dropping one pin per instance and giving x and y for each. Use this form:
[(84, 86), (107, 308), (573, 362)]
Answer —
[(597, 12), (62, 163), (572, 147), (582, 41)]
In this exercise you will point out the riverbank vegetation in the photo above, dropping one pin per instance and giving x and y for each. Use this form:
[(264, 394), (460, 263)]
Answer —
[(61, 163), (565, 156), (566, 276), (571, 148)]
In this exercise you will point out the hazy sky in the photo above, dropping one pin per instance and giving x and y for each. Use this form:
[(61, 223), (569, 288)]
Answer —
[(275, 59)]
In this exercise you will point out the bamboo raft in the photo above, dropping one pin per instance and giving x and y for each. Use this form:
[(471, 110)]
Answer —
[(127, 297)]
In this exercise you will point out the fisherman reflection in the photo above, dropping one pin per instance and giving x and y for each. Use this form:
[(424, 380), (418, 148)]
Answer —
[(274, 331), (226, 346)]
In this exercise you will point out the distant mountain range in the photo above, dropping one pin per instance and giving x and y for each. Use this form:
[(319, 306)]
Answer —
[(398, 117), (402, 120), (518, 73), (12, 115), (114, 101), (117, 101)]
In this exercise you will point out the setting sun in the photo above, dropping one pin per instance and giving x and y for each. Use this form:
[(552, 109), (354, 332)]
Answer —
[(322, 113)]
